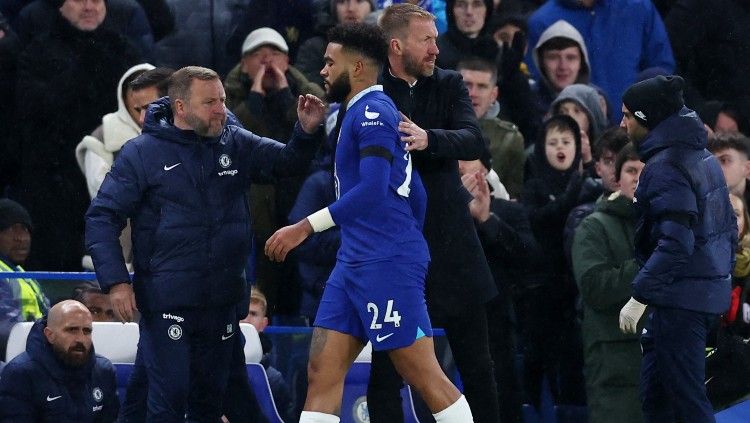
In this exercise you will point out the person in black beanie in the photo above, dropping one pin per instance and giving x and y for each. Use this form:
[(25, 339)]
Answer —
[(684, 244)]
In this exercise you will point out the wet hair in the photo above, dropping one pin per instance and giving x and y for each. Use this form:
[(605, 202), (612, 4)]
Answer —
[(157, 77), (365, 39), (627, 153), (126, 83), (480, 65), (613, 139), (181, 80), (80, 292), (396, 18), (725, 141)]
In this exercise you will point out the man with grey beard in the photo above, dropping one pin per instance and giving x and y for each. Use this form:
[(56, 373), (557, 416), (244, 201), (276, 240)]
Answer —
[(59, 377), (440, 128)]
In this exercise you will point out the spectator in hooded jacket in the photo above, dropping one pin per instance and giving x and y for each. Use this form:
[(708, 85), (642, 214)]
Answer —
[(467, 35), (550, 196), (623, 37), (139, 86), (182, 184), (583, 103), (685, 240), (65, 80), (604, 267), (561, 58), (59, 377)]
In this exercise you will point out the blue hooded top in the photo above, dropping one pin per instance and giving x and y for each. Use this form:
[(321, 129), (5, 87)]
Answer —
[(687, 231)]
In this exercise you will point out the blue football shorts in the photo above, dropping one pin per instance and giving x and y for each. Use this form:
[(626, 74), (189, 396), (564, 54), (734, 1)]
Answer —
[(382, 302)]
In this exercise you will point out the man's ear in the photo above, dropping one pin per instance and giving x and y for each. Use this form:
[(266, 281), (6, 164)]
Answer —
[(395, 46), (358, 68), (747, 169), (179, 106), (49, 334), (495, 92)]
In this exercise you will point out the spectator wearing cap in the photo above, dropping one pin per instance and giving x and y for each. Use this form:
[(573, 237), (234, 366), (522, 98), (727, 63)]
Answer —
[(262, 91), (15, 244), (684, 243), (262, 88)]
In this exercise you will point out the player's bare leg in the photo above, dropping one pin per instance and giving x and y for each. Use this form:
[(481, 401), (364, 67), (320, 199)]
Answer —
[(418, 365), (331, 355)]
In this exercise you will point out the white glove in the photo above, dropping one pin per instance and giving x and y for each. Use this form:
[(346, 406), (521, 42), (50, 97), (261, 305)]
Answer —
[(746, 312), (630, 315)]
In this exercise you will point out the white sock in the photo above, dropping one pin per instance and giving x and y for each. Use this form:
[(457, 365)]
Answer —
[(315, 417), (458, 412)]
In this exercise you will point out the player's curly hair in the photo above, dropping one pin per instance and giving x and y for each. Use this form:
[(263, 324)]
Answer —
[(366, 39)]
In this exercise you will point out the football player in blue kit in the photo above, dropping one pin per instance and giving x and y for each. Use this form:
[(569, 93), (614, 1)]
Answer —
[(376, 290)]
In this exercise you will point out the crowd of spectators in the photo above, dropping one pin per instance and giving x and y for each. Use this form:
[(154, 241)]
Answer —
[(551, 198)]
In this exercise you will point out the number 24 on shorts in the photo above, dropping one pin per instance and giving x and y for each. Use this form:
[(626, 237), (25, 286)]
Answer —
[(391, 315)]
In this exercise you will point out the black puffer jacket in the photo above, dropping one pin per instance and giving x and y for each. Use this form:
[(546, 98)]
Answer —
[(65, 81)]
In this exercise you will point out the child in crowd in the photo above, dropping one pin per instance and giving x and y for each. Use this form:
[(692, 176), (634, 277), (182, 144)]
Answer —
[(549, 196), (583, 103)]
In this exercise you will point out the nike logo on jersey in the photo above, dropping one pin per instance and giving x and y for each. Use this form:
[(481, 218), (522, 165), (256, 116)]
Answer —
[(369, 114), (225, 337), (171, 167), (50, 399), (383, 338)]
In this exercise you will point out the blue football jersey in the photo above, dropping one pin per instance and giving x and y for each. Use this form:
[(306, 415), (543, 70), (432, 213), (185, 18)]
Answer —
[(375, 180)]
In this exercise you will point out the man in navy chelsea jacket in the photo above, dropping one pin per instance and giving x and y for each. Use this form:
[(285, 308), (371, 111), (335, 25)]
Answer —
[(59, 378), (684, 242), (182, 184)]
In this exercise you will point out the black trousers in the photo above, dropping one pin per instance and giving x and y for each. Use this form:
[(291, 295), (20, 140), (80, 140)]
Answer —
[(467, 335)]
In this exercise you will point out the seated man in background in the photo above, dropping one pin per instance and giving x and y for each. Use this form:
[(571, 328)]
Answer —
[(15, 244), (70, 382), (256, 316), (96, 301)]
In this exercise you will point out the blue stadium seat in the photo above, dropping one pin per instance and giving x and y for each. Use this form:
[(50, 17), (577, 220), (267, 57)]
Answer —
[(123, 375), (262, 390), (738, 413)]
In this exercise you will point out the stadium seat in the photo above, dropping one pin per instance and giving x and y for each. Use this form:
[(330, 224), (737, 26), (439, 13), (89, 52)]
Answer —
[(262, 390), (17, 340), (116, 341), (253, 348)]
